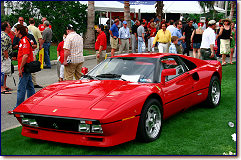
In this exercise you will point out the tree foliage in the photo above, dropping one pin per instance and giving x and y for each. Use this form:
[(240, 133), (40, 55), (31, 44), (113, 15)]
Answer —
[(207, 5), (58, 13)]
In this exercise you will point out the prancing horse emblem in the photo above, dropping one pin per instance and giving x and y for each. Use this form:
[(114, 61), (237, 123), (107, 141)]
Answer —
[(55, 110), (55, 126)]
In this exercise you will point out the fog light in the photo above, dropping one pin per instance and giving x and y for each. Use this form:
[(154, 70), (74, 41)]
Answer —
[(30, 122), (96, 129), (25, 121), (84, 128)]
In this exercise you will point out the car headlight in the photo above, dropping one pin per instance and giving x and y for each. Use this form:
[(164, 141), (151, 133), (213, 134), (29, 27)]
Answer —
[(30, 122), (90, 127)]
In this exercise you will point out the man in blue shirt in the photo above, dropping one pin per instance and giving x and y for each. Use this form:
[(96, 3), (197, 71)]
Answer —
[(124, 38), (114, 36), (178, 33)]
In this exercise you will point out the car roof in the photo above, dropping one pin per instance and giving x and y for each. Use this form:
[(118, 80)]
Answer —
[(149, 55)]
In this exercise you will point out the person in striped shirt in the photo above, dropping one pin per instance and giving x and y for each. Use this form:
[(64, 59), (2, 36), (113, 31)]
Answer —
[(73, 54)]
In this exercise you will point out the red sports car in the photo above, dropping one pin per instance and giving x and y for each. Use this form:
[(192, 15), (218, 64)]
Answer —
[(123, 98)]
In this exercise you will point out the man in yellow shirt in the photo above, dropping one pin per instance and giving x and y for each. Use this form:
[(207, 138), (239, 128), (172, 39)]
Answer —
[(163, 36)]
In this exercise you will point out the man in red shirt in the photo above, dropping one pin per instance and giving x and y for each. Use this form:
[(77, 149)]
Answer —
[(100, 44), (25, 55), (41, 27), (60, 55)]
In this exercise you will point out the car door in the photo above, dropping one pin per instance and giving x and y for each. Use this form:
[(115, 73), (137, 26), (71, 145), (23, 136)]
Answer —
[(178, 88)]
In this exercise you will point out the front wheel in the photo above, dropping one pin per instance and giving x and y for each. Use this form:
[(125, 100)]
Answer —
[(214, 92), (150, 123)]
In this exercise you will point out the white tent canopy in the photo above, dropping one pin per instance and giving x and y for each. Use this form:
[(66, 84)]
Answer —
[(191, 7), (108, 6)]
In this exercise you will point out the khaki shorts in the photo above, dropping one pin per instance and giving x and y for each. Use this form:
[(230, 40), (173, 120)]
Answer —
[(114, 43), (102, 56), (73, 70)]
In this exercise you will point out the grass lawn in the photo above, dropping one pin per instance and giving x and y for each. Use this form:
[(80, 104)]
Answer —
[(53, 54), (198, 131)]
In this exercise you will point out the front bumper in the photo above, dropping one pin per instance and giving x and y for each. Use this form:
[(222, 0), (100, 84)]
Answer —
[(113, 134)]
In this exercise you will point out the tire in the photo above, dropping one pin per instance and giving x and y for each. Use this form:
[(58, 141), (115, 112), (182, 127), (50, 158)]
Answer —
[(214, 93), (150, 123)]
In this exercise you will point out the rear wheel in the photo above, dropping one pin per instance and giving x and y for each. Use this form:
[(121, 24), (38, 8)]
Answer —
[(214, 92), (150, 123)]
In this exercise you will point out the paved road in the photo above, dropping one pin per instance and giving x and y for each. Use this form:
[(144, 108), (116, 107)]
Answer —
[(44, 78)]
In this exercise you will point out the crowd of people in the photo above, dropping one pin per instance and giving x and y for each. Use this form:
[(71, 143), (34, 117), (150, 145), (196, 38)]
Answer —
[(207, 39), (23, 42)]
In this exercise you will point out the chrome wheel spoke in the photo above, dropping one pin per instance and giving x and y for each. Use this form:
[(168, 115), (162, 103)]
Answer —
[(153, 119)]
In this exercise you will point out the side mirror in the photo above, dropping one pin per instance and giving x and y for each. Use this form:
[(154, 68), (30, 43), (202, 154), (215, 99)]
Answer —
[(84, 70), (167, 72)]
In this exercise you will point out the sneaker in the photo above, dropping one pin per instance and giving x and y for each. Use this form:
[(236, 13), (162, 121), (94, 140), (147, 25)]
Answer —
[(37, 86)]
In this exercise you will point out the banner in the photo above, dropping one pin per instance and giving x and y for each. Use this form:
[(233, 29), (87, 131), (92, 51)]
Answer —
[(41, 58)]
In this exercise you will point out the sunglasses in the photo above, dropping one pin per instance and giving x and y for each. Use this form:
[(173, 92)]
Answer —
[(20, 20)]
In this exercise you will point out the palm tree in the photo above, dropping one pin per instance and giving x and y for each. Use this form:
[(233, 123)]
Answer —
[(159, 9), (127, 13), (233, 5), (89, 41)]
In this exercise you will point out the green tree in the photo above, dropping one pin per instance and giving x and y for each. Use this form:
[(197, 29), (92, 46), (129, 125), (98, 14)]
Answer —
[(58, 13), (207, 4)]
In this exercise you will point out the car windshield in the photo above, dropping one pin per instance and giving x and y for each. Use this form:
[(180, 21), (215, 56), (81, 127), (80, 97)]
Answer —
[(134, 69)]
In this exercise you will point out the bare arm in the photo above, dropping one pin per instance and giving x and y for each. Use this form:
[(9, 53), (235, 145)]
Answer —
[(66, 54), (212, 50), (192, 35), (24, 61)]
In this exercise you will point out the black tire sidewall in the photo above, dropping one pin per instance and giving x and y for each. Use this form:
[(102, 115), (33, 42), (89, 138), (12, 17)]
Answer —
[(141, 132)]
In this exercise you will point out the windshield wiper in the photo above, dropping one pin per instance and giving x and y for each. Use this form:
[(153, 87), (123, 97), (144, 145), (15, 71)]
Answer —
[(110, 76), (88, 76)]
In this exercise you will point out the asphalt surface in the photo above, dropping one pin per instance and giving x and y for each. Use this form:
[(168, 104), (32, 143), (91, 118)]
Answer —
[(44, 78)]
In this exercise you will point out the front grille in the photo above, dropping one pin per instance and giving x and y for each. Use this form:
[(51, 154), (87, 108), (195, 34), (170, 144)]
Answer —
[(56, 123)]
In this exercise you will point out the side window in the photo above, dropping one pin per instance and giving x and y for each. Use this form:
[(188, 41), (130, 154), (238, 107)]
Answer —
[(170, 63)]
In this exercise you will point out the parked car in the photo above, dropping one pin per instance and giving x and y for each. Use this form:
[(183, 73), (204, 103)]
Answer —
[(123, 98)]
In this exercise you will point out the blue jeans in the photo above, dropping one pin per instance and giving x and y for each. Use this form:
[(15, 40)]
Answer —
[(25, 84), (46, 47), (2, 78), (140, 43)]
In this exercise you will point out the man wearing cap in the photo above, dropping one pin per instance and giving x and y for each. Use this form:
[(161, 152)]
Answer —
[(124, 38), (73, 54), (47, 37), (208, 41), (100, 44), (114, 36)]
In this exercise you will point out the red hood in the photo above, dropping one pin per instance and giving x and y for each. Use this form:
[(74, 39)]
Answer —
[(80, 99)]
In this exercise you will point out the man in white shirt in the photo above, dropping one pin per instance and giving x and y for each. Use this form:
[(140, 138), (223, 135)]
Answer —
[(208, 42), (20, 21), (171, 27)]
